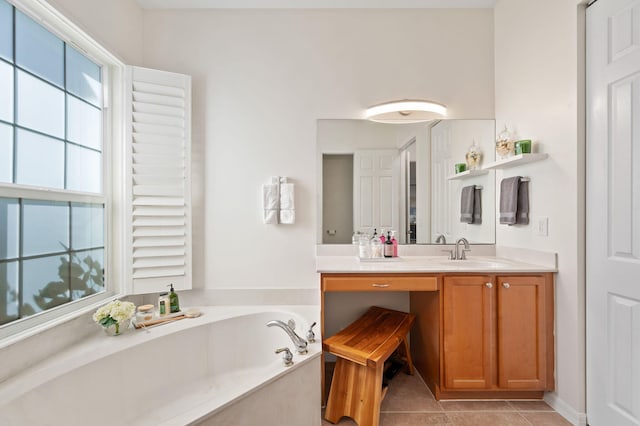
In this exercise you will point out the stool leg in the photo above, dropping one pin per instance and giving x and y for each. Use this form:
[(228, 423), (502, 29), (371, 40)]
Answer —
[(356, 392), (407, 355)]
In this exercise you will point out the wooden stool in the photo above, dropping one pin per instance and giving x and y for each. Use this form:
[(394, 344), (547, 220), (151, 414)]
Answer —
[(361, 350)]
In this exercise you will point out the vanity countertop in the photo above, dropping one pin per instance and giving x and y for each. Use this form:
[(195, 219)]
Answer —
[(426, 264)]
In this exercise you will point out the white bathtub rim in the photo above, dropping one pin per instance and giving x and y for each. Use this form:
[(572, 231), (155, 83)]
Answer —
[(100, 346)]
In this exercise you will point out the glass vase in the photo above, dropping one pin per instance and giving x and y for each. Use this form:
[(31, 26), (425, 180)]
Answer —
[(118, 329)]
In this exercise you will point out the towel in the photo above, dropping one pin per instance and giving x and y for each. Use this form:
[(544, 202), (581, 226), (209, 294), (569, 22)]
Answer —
[(270, 201), (522, 215), (509, 200), (466, 204), (471, 205), (514, 201), (477, 206), (287, 202)]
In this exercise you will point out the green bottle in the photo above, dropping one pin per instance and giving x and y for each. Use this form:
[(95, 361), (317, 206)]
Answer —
[(174, 305)]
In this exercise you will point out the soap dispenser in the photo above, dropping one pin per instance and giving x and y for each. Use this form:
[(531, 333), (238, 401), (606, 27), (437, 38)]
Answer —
[(173, 300)]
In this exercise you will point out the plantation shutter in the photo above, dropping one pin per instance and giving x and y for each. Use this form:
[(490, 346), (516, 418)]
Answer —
[(158, 180)]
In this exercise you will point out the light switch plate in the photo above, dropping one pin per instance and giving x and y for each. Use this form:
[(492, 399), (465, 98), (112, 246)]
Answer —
[(543, 226)]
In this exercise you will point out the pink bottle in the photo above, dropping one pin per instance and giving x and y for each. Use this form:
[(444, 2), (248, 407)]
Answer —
[(395, 244)]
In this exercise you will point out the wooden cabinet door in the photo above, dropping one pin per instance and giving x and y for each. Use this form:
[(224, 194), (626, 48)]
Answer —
[(468, 332), (522, 332)]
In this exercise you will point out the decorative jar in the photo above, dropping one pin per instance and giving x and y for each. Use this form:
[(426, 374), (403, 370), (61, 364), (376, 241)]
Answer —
[(504, 144), (473, 156)]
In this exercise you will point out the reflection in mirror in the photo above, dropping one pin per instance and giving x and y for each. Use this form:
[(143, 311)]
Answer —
[(401, 178)]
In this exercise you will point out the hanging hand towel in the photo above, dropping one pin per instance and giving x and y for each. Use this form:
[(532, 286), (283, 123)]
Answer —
[(509, 200), (287, 202), (522, 215), (466, 204), (270, 201), (477, 206)]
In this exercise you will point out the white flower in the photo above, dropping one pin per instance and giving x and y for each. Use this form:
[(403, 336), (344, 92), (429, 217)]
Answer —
[(115, 311)]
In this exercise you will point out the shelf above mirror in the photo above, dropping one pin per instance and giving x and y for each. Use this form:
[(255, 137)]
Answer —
[(516, 160), (467, 174)]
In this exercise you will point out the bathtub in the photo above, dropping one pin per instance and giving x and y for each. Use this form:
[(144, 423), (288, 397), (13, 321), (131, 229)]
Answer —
[(217, 369)]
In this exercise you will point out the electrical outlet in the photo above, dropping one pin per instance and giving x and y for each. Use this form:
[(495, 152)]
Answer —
[(543, 226)]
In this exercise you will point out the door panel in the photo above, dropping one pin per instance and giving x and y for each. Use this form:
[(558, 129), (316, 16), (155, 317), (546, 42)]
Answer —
[(521, 333), (468, 332), (613, 212)]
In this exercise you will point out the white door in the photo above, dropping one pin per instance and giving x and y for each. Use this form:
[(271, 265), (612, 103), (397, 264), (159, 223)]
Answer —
[(375, 190), (613, 213)]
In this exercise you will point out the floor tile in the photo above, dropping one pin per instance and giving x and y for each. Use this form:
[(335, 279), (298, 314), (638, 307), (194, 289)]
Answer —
[(487, 419), (476, 406), (409, 393), (522, 405), (414, 419), (546, 419)]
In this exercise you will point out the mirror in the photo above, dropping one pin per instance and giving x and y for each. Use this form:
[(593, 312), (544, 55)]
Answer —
[(402, 178)]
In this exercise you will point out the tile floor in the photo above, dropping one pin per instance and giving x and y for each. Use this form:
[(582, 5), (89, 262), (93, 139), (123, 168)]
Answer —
[(409, 402)]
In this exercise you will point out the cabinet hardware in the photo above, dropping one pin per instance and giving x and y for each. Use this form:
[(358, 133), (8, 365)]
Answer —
[(489, 285), (506, 285), (380, 285)]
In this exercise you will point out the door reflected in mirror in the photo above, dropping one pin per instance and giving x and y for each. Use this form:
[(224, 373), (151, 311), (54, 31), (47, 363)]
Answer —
[(402, 177)]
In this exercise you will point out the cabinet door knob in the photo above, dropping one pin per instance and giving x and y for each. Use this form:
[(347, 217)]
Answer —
[(506, 285), (489, 285)]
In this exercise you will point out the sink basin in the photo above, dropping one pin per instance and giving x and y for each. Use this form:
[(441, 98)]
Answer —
[(474, 263)]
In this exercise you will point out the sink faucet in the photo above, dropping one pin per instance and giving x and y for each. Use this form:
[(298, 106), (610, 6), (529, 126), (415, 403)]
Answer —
[(299, 342), (441, 239), (461, 255)]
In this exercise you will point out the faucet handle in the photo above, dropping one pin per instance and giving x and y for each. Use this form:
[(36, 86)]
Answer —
[(311, 336), (292, 324), (287, 356), (451, 255)]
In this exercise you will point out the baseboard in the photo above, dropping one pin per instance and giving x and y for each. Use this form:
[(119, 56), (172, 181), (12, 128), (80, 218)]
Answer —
[(565, 410)]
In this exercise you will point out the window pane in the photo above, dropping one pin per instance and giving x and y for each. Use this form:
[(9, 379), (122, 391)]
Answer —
[(6, 153), (40, 160), (84, 123), (84, 171), (87, 226), (46, 227), (6, 91), (40, 105), (9, 226), (6, 31), (86, 273), (45, 283), (39, 51), (8, 292), (83, 77)]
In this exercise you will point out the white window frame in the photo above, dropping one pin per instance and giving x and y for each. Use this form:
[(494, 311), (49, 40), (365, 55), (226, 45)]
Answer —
[(114, 156)]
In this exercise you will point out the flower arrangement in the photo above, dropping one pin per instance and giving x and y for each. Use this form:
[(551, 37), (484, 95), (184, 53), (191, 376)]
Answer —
[(114, 313)]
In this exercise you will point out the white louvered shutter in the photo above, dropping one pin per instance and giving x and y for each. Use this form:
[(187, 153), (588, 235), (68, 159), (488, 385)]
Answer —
[(158, 180)]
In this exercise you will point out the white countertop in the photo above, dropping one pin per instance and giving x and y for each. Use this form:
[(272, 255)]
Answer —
[(428, 264)]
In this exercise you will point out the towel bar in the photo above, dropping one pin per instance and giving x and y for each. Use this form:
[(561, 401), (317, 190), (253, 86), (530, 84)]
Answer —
[(524, 179), (478, 186)]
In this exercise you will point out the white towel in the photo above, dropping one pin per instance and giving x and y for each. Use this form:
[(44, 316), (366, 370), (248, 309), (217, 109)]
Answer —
[(287, 202), (270, 201)]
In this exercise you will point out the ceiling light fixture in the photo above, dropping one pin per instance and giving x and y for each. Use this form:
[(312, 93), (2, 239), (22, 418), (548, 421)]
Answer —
[(406, 111)]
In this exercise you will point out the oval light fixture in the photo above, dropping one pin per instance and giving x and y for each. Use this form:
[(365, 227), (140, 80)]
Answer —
[(406, 111)]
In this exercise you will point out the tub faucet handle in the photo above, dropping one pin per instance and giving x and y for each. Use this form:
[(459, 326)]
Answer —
[(311, 336), (287, 356), (292, 324)]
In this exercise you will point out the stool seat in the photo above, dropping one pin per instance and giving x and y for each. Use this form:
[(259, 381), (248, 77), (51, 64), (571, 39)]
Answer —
[(362, 349)]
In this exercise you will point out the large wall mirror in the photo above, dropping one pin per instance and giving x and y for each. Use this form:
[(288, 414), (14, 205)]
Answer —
[(402, 178)]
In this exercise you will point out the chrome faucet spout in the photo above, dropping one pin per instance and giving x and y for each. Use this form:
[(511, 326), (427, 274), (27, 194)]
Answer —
[(299, 342), (441, 239)]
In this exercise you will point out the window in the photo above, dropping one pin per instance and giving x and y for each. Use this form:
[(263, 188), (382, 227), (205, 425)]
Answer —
[(53, 199)]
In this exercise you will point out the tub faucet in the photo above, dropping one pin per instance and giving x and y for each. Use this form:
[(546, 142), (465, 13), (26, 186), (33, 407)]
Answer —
[(441, 239), (461, 255), (299, 342)]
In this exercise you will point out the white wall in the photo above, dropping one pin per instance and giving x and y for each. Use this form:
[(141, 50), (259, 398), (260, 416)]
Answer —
[(538, 75), (116, 24), (262, 78)]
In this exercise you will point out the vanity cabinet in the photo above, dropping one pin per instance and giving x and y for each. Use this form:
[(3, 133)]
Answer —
[(497, 335)]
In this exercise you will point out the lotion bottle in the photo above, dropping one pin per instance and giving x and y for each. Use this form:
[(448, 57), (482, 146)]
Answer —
[(174, 305)]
